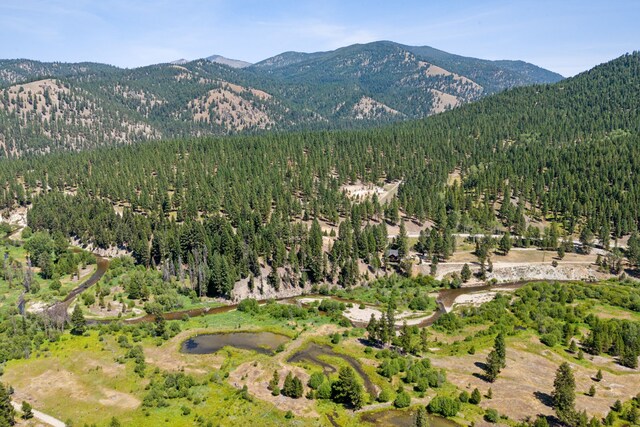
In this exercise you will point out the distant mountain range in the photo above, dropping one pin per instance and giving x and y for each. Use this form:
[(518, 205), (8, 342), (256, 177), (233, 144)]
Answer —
[(233, 63), (51, 106)]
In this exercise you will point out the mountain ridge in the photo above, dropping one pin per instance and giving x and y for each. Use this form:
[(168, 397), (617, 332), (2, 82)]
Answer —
[(354, 86)]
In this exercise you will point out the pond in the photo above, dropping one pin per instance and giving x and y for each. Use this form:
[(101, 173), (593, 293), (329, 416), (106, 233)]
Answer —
[(402, 418), (260, 342)]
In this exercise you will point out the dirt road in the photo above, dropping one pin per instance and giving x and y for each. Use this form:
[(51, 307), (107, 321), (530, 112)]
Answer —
[(41, 416)]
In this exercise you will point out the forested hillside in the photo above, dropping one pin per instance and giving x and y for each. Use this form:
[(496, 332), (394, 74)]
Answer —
[(51, 106), (228, 206)]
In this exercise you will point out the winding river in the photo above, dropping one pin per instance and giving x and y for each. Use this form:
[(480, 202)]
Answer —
[(59, 309), (312, 354), (445, 298)]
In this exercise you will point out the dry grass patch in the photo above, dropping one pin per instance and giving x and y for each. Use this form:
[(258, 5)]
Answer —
[(524, 387)]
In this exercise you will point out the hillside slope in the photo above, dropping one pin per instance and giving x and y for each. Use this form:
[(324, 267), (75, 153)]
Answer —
[(355, 86), (562, 158)]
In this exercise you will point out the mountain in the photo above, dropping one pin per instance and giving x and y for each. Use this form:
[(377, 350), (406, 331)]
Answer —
[(565, 153), (23, 70), (51, 106), (233, 63)]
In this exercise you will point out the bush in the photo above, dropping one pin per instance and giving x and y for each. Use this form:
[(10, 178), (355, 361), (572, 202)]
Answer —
[(26, 232), (403, 400), (384, 396), (464, 397), (324, 391), (549, 339), (316, 380), (445, 406), (491, 415), (249, 305), (476, 397)]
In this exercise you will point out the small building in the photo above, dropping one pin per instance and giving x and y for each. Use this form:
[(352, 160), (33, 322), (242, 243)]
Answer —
[(393, 255)]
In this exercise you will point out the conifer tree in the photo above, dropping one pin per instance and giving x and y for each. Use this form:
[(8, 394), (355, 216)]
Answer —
[(496, 360), (564, 394), (78, 322), (7, 413), (421, 417), (347, 389)]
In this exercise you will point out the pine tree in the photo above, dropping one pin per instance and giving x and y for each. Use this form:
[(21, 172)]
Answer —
[(372, 328), (629, 357), (7, 413), (564, 394), (347, 389), (421, 417), (275, 380), (476, 397), (298, 388), (288, 387), (493, 365), (78, 322), (496, 360), (465, 274), (505, 243), (599, 375), (501, 349), (402, 241)]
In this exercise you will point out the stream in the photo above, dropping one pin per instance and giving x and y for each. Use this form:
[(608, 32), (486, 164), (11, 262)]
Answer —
[(312, 354)]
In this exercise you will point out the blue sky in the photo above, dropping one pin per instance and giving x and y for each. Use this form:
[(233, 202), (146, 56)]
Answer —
[(564, 36)]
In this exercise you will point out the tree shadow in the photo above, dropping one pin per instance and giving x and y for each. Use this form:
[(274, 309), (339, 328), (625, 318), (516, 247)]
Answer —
[(544, 398), (481, 365), (370, 343), (482, 375)]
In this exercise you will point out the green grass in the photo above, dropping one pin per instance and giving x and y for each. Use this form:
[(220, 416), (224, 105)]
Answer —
[(88, 367), (606, 310)]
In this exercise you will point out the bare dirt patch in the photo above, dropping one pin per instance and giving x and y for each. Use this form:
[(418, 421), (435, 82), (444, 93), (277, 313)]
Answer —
[(256, 377), (443, 101), (369, 108), (478, 298), (363, 315), (118, 399)]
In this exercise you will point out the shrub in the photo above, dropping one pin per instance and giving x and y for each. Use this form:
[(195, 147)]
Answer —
[(324, 391), (384, 396), (316, 380), (549, 339), (491, 415), (249, 305), (476, 397), (445, 406), (403, 400)]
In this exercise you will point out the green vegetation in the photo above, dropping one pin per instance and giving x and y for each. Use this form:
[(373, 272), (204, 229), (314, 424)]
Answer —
[(496, 360), (564, 394), (204, 218), (7, 413), (347, 389), (244, 215)]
